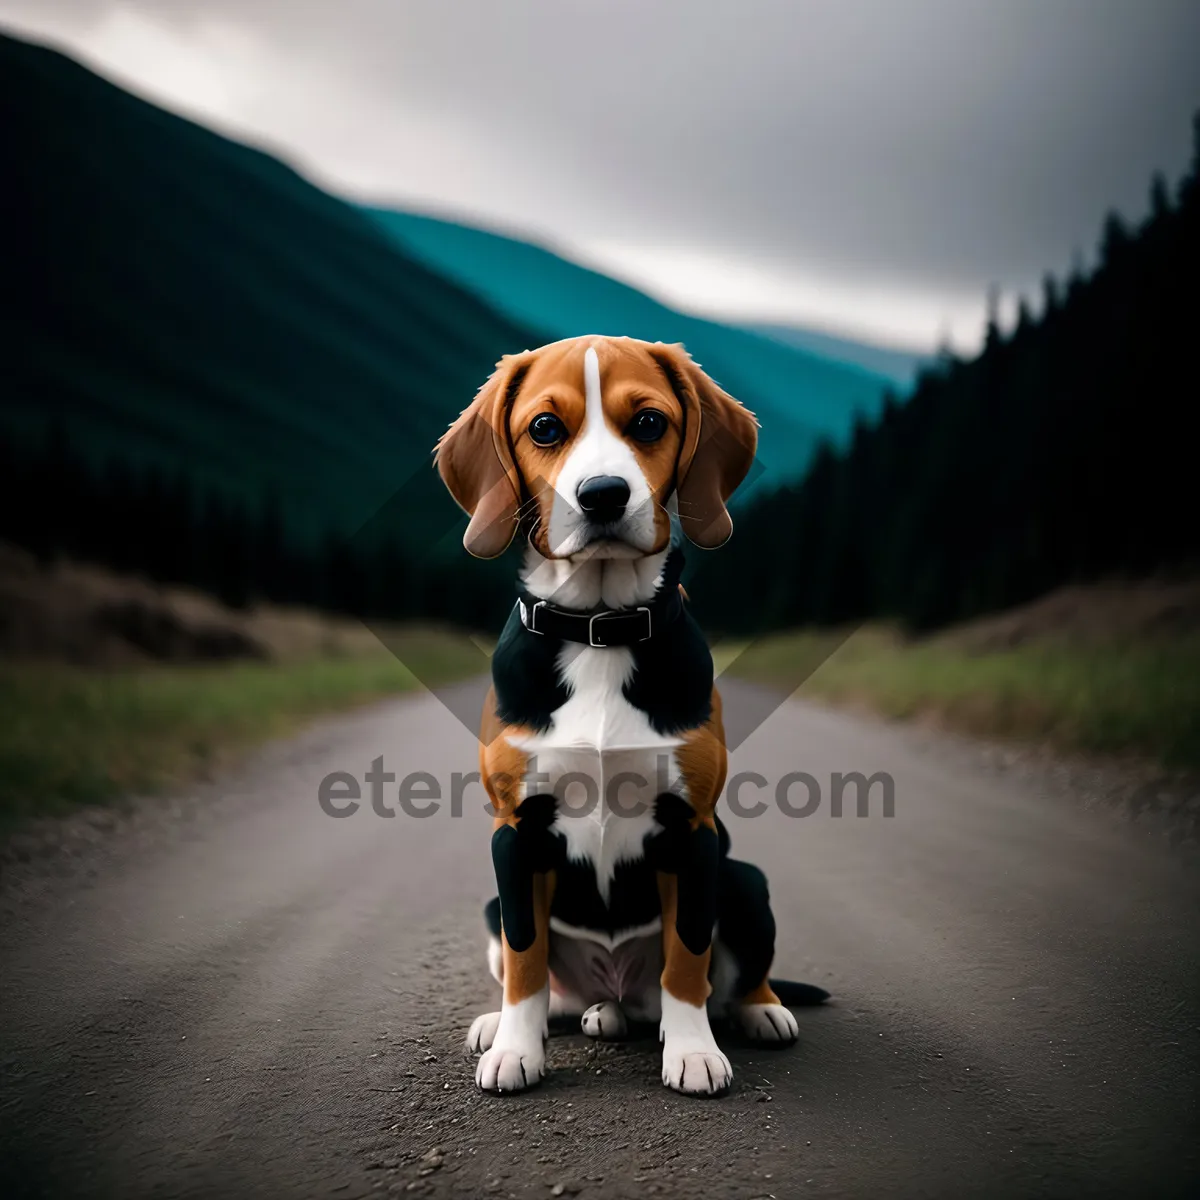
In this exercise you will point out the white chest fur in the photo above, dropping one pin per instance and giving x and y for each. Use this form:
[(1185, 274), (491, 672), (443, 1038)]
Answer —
[(603, 761)]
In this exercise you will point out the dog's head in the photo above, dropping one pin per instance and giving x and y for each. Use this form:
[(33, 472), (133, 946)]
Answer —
[(583, 443)]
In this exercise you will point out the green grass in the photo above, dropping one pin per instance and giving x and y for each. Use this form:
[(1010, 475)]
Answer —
[(72, 736), (1140, 698)]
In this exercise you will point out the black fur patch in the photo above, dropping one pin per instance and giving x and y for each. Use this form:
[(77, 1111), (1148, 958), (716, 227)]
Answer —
[(632, 896), (518, 852), (694, 857), (696, 912), (491, 916), (673, 677), (514, 878), (745, 921), (525, 676)]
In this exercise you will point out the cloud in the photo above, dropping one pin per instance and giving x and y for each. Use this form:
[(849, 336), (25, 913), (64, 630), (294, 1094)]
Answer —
[(870, 167), (212, 70)]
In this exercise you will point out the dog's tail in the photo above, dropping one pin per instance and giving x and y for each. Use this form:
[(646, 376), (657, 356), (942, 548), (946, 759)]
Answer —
[(798, 995)]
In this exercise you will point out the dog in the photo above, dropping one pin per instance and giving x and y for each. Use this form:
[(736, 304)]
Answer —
[(605, 454)]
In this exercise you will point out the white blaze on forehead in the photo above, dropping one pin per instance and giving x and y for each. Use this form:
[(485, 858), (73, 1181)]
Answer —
[(591, 389), (600, 450)]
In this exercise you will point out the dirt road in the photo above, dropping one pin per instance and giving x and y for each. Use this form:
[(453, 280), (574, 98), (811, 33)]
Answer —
[(248, 997)]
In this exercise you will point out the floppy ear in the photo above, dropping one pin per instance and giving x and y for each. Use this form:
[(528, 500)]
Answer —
[(719, 441), (474, 458)]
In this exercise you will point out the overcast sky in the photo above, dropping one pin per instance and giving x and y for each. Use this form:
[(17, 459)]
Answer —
[(864, 167)]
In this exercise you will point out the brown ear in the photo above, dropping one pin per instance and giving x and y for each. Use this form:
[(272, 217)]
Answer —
[(474, 459), (719, 441)]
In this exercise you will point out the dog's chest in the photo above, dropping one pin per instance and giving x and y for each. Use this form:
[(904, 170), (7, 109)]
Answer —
[(603, 761)]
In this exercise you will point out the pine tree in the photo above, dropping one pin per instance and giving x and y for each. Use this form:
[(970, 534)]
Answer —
[(1113, 240), (1051, 295), (1160, 198), (992, 335)]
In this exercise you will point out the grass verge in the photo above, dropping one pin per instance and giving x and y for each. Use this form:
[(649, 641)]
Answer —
[(1139, 697), (72, 736)]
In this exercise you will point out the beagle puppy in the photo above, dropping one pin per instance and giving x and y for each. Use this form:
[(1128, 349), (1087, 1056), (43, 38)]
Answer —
[(602, 749)]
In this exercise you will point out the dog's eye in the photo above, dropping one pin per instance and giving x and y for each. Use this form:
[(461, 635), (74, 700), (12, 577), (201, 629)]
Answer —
[(648, 426), (547, 430)]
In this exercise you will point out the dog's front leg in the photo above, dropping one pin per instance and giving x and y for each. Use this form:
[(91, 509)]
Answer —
[(692, 1060), (517, 1057)]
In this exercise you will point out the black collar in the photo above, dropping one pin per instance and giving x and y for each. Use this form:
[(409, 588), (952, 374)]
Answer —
[(604, 627)]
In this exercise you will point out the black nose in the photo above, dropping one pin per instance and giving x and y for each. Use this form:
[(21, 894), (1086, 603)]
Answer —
[(603, 498)]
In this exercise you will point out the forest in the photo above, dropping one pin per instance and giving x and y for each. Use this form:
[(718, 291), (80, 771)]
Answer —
[(1058, 454)]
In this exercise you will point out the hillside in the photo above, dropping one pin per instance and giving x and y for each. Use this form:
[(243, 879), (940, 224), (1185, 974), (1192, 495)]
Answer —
[(173, 299), (800, 397), (217, 374), (1109, 669)]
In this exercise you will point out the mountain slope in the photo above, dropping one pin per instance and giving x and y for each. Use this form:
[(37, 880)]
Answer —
[(799, 397), (177, 299), (213, 372)]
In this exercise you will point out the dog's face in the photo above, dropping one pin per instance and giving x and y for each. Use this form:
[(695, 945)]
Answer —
[(584, 442), (596, 449)]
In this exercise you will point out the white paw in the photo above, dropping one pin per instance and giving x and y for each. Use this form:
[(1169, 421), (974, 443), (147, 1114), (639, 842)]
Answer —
[(692, 1061), (511, 1070), (604, 1020), (483, 1032), (695, 1072), (769, 1023)]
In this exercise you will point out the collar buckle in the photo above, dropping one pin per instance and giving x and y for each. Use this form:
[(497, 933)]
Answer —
[(641, 608), (529, 616)]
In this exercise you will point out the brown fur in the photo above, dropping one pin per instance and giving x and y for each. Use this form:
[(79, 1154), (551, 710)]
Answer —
[(497, 474), (702, 765), (761, 994), (501, 765), (474, 459), (527, 971), (718, 448), (685, 975)]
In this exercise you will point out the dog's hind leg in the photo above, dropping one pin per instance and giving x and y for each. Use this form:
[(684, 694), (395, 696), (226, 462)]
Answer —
[(746, 928)]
